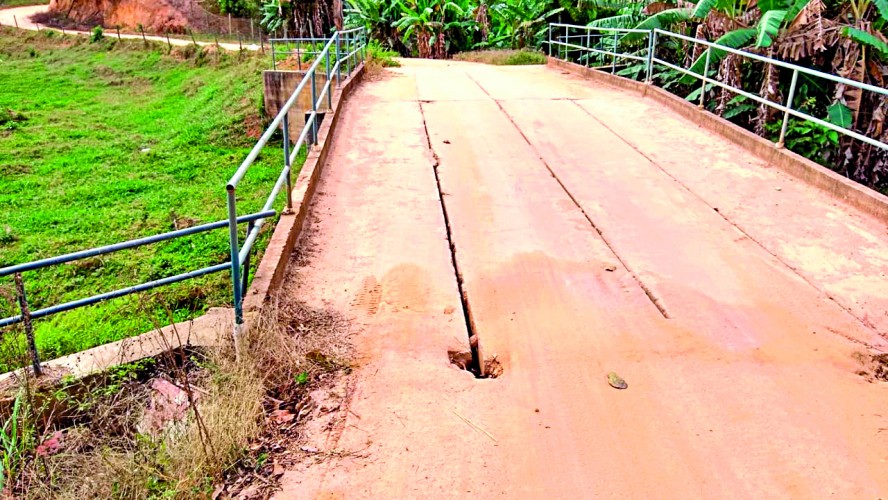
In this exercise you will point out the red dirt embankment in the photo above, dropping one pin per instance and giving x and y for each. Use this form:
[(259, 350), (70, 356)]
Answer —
[(172, 16)]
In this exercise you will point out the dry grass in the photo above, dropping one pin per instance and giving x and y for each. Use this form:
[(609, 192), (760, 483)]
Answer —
[(284, 355), (503, 57)]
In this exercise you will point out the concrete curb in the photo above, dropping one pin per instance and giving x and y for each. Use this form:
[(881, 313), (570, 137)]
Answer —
[(272, 269), (852, 193)]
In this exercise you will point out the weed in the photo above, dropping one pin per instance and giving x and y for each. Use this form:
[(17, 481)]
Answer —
[(13, 441), (10, 120), (503, 57), (379, 55), (98, 34)]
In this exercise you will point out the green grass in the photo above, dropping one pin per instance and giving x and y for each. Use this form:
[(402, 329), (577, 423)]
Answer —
[(503, 57), (109, 141), (381, 56), (5, 4)]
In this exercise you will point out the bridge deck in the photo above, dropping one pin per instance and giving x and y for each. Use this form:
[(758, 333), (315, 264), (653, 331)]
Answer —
[(593, 233)]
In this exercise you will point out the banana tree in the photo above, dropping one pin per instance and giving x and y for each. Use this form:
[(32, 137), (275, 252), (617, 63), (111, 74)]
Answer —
[(425, 21), (526, 20), (861, 56)]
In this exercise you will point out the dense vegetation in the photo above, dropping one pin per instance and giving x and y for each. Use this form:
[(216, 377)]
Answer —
[(842, 37), (108, 141)]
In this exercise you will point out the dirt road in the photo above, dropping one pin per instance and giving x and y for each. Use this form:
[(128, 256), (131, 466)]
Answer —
[(20, 17), (592, 232)]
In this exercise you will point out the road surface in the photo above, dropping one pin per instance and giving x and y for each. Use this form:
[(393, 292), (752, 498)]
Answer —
[(591, 232)]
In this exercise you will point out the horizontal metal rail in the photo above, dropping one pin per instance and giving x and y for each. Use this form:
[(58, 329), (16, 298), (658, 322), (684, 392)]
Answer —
[(583, 42), (787, 109), (602, 36), (775, 62), (598, 28), (117, 247), (95, 299), (93, 252)]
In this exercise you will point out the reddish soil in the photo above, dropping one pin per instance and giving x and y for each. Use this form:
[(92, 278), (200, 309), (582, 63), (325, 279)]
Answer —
[(592, 233)]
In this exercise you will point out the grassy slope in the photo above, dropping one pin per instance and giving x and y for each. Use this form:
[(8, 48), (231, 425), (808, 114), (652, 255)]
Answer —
[(120, 142), (5, 4)]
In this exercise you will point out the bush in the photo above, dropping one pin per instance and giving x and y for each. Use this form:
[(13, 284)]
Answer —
[(379, 55), (97, 34)]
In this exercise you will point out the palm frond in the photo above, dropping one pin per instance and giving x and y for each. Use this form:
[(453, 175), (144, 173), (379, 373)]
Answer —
[(665, 19), (768, 26), (703, 8), (621, 21), (866, 39), (732, 39), (882, 7)]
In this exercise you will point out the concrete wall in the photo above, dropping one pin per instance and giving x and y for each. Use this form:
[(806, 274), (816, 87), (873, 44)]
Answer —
[(279, 86)]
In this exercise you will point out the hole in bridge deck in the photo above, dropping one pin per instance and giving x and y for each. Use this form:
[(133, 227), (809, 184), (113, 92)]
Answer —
[(466, 360)]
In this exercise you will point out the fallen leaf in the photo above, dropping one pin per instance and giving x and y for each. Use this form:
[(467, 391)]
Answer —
[(616, 381)]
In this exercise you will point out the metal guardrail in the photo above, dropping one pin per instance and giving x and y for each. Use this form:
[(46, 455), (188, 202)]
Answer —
[(350, 50), (27, 315), (347, 48), (299, 47), (580, 38)]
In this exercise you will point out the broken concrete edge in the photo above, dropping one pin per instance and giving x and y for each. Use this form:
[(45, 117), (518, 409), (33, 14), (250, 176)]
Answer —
[(216, 326), (844, 189), (204, 331), (272, 268)]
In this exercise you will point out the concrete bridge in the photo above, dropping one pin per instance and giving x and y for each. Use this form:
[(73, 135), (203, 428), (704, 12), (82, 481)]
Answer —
[(575, 229)]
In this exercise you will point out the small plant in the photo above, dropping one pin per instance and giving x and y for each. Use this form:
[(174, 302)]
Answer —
[(13, 442), (302, 378), (380, 55), (98, 34), (7, 236), (10, 120)]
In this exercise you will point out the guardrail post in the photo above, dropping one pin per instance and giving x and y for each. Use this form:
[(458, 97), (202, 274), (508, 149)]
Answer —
[(652, 39), (314, 107), (246, 276), (566, 40), (789, 99), (347, 54), (550, 39), (328, 83), (338, 57), (588, 45), (614, 60), (273, 62), (26, 319), (286, 126), (235, 262), (705, 76)]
